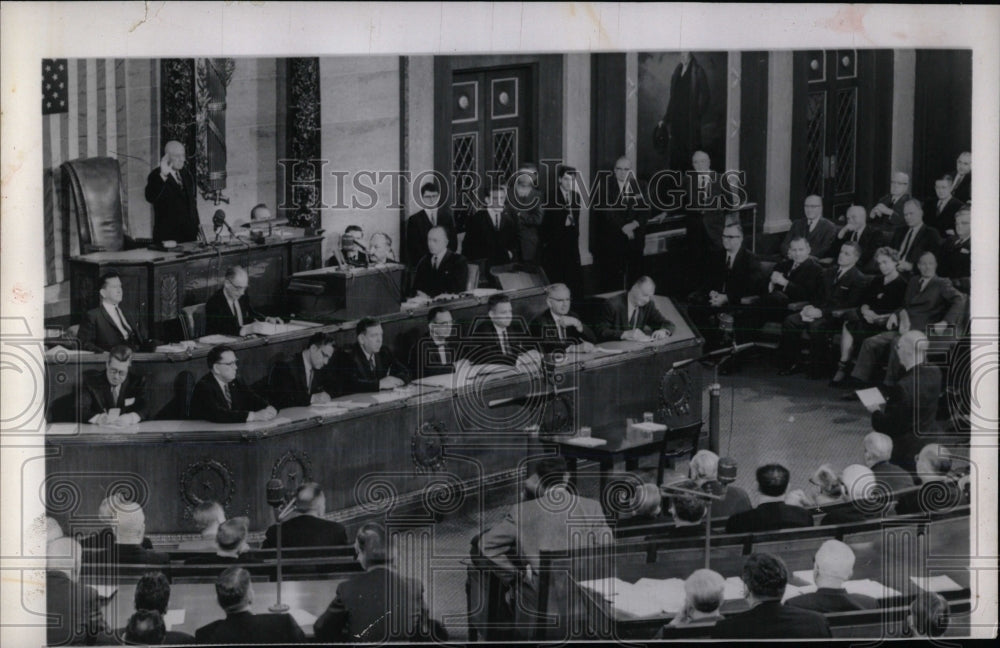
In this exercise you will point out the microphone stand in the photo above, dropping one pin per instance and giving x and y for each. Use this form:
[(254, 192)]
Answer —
[(709, 498), (279, 516), (714, 359)]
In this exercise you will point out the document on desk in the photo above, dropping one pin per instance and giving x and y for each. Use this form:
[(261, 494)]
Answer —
[(734, 589), (942, 583), (351, 405), (606, 587), (668, 593), (177, 347), (871, 398), (868, 587), (303, 618), (586, 442), (443, 381), (174, 618), (263, 425), (218, 339)]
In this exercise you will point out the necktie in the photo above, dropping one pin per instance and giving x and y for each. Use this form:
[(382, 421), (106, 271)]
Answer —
[(441, 353), (115, 390), (503, 341), (923, 283), (905, 247), (729, 262), (496, 221), (434, 261), (310, 374), (237, 311), (958, 181), (561, 331), (854, 236), (371, 361), (126, 329), (229, 397), (633, 320), (941, 204), (433, 218), (840, 273)]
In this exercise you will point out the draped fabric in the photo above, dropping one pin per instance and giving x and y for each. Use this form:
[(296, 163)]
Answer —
[(177, 104), (212, 77), (303, 179)]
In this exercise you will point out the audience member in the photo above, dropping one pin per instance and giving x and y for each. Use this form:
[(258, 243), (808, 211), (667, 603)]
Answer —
[(229, 311), (878, 455), (500, 338), (152, 594), (524, 201), (818, 231), (208, 515), (172, 190), (231, 546), (688, 510), (834, 564), (75, 608), (117, 395), (868, 499), (146, 628), (307, 528), (704, 592), (302, 380), (377, 606), (956, 252), (103, 538), (220, 397), (560, 232), (929, 614), (704, 470), (857, 231), (961, 187), (938, 489), (234, 593), (887, 214), (491, 233), (795, 279), (634, 316), (440, 273), (772, 512), (432, 214), (436, 353), (618, 228), (106, 326), (940, 212), (128, 523), (367, 365), (765, 577), (559, 329), (915, 238)]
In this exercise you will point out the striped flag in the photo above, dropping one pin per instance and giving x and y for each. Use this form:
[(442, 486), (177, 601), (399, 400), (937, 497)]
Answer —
[(91, 124)]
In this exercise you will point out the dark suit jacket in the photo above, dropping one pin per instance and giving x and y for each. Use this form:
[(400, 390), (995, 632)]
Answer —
[(173, 637), (417, 226), (938, 301), (286, 384), (543, 328), (941, 219), (805, 283), (911, 406), (175, 206), (95, 397), (483, 347), (614, 318), (79, 619), (842, 295), (769, 516), (772, 620), (484, 241), (306, 531), (926, 239), (425, 360), (955, 260), (613, 211), (561, 241), (884, 298), (896, 220), (357, 374), (741, 281), (940, 495), (451, 275), (98, 332), (963, 191), (209, 403), (828, 599), (821, 239), (869, 240), (247, 627), (894, 477), (219, 318), (376, 606)]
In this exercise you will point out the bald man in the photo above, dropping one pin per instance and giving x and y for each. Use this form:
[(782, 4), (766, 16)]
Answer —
[(833, 564), (878, 452), (939, 491), (172, 191)]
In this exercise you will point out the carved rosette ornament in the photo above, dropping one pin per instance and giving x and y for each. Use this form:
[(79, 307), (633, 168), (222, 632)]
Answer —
[(208, 479), (675, 395), (427, 446), (293, 468)]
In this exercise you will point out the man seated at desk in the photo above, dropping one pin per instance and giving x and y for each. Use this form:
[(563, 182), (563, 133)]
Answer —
[(117, 396), (241, 626), (228, 311), (633, 315), (491, 337), (367, 366), (106, 326), (350, 254), (220, 397), (436, 353), (559, 329), (301, 381), (441, 273)]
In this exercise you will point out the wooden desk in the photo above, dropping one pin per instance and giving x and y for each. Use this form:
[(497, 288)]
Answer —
[(332, 294), (158, 284)]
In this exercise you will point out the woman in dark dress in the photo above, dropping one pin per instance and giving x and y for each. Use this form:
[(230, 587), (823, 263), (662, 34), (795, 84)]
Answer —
[(883, 297)]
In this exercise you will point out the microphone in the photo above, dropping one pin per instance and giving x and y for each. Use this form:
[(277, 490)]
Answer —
[(726, 470), (275, 493), (219, 219)]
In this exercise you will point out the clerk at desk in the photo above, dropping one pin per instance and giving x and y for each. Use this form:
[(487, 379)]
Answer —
[(229, 309), (107, 326), (367, 366), (300, 381), (116, 396), (220, 397)]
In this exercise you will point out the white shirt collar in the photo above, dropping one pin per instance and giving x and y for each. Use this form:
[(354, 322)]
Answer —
[(222, 385)]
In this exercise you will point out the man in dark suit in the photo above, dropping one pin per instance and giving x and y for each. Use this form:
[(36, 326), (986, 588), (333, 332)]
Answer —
[(765, 577), (940, 212), (351, 254), (559, 329), (524, 203), (436, 353), (821, 233), (228, 311), (938, 491), (956, 252), (129, 527), (843, 286), (961, 187), (560, 232), (915, 238), (887, 214), (116, 396), (499, 338), (878, 453), (634, 316), (307, 528), (441, 273), (910, 410), (368, 366), (107, 326), (171, 189), (834, 564), (220, 397), (241, 626), (76, 612), (795, 279), (491, 233), (771, 513), (856, 230), (619, 227), (231, 546), (729, 276), (302, 380), (431, 215), (146, 628), (152, 595), (377, 606)]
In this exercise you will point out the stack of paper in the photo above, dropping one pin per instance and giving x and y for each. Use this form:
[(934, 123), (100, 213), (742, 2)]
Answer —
[(174, 618), (351, 405), (649, 597), (217, 339), (940, 583), (864, 586), (667, 594), (587, 442)]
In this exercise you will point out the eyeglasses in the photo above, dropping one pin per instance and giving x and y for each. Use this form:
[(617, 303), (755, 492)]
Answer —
[(731, 236), (231, 363), (117, 372), (237, 286)]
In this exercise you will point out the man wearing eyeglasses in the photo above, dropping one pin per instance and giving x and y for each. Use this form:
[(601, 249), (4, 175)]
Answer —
[(302, 380), (115, 396), (220, 397), (228, 311)]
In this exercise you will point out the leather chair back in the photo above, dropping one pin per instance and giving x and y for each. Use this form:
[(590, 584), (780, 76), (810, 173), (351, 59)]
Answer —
[(472, 282), (94, 187), (192, 319)]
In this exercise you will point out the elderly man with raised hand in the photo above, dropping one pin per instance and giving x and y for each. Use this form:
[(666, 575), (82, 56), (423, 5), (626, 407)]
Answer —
[(172, 191), (888, 211), (234, 592), (834, 564), (878, 455)]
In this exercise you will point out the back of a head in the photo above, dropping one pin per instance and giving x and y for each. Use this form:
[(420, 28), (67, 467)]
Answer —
[(551, 471), (704, 465), (858, 481), (765, 576), (309, 498), (687, 508), (829, 483), (152, 592), (131, 523), (878, 446), (371, 541), (146, 627), (937, 457), (929, 614), (231, 533), (704, 589), (772, 480), (232, 587), (834, 559), (207, 514), (648, 501)]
